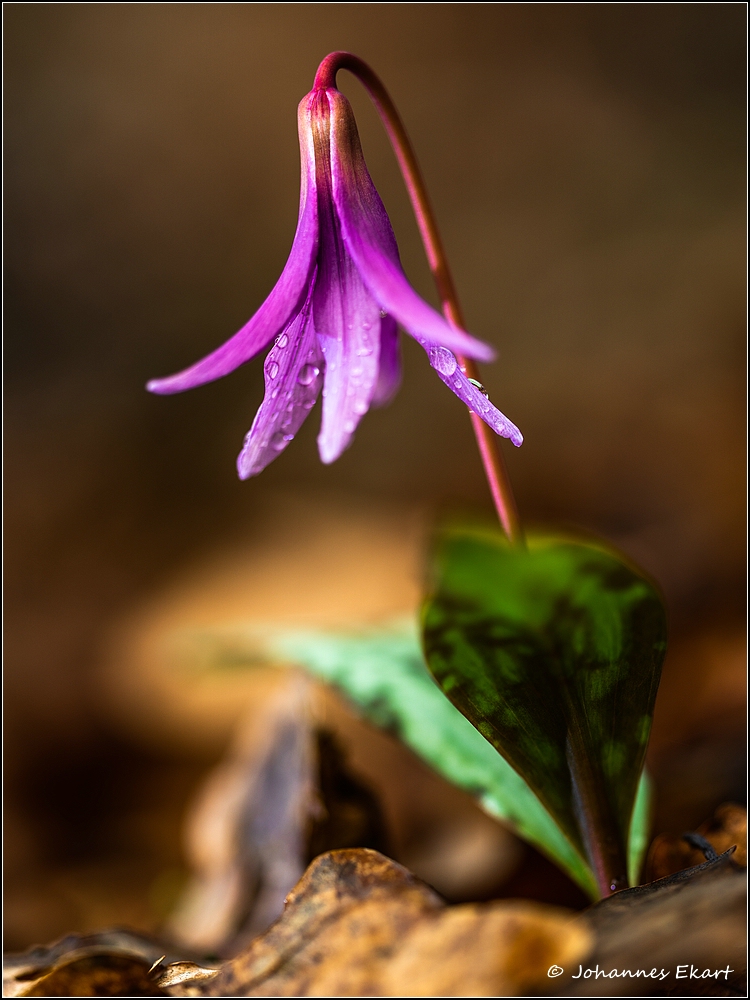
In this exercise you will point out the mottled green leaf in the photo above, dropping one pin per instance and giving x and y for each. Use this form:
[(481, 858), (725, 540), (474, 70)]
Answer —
[(554, 652), (382, 673)]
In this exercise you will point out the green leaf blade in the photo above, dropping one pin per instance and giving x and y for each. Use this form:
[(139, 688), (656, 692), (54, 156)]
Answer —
[(554, 654)]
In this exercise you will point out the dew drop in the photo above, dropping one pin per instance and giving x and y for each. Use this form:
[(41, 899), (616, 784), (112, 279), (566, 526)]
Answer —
[(364, 351), (360, 406), (308, 374), (273, 370), (282, 340), (366, 326), (357, 371), (278, 441), (443, 360), (349, 426), (308, 404), (274, 394)]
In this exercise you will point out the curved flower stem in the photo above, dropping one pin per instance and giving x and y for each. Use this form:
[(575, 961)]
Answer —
[(492, 457)]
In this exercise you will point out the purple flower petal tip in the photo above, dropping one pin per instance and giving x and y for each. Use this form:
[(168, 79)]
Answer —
[(160, 386), (334, 313), (470, 392)]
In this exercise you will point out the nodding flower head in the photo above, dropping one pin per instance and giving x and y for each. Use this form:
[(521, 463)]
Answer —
[(334, 313)]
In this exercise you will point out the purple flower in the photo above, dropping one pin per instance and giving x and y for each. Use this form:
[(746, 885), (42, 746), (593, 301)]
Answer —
[(335, 310)]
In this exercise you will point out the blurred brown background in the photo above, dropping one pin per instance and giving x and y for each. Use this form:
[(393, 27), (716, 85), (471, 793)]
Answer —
[(587, 166)]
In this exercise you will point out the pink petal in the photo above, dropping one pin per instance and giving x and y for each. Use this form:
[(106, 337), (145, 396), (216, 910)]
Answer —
[(286, 295), (445, 364), (350, 348), (346, 317), (294, 377), (389, 363), (370, 241)]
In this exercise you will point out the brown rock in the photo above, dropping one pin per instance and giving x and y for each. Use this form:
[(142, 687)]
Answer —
[(695, 918), (492, 949), (358, 924)]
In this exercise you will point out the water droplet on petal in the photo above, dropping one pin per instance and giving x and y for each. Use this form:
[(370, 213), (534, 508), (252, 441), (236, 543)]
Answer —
[(274, 394), (364, 351), (282, 340), (360, 406), (308, 374), (349, 426), (278, 441), (443, 360), (272, 369), (366, 326), (357, 371), (308, 404)]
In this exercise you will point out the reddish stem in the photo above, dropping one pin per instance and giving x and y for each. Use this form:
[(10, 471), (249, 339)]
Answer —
[(492, 457)]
